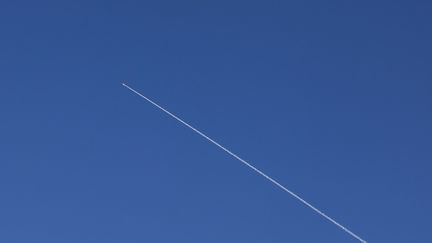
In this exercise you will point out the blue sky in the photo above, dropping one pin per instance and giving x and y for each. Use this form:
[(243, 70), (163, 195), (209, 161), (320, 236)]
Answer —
[(332, 99)]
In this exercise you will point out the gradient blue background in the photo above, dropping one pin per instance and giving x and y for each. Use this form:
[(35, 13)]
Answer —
[(332, 98)]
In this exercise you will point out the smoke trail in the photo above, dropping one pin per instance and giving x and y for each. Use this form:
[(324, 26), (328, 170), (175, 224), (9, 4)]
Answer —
[(251, 166)]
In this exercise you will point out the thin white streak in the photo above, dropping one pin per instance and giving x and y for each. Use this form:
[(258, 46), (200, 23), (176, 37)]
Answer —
[(251, 167)]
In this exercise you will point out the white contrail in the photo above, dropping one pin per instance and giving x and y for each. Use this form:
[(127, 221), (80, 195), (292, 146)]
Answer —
[(250, 166)]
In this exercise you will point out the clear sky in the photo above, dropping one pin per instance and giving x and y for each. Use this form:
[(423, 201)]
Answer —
[(331, 98)]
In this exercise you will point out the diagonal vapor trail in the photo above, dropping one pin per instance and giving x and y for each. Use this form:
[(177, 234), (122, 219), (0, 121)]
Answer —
[(251, 167)]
